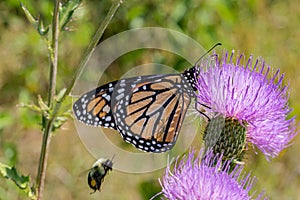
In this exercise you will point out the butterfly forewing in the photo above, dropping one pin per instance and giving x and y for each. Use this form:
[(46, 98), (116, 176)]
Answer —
[(94, 107)]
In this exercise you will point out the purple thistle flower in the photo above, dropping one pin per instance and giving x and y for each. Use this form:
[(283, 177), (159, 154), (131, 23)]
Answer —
[(207, 179), (247, 94)]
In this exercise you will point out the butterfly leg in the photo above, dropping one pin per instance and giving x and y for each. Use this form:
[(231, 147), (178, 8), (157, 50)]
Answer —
[(201, 110)]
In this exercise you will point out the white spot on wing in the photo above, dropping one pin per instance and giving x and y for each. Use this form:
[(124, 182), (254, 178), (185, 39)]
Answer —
[(120, 96), (106, 109), (121, 90)]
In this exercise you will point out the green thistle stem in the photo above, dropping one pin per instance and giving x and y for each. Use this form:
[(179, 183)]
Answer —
[(53, 57), (52, 88)]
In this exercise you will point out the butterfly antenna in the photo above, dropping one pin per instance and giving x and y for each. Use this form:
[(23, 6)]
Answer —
[(218, 44)]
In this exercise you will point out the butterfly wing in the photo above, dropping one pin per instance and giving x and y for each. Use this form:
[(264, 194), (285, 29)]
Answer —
[(148, 111), (94, 107)]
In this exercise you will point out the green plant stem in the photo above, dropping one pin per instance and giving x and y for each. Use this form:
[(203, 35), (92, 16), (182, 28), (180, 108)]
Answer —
[(113, 9), (90, 50), (53, 71), (53, 57), (43, 159), (54, 54), (87, 55)]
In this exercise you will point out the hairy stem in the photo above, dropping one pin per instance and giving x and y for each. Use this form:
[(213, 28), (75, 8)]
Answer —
[(53, 57)]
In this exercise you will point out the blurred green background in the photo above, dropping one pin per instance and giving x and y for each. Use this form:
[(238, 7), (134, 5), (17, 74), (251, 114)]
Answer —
[(263, 28)]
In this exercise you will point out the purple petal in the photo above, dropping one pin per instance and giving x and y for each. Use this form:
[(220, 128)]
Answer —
[(247, 94)]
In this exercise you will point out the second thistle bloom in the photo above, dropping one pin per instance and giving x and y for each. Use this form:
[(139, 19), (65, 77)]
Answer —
[(209, 178), (250, 102)]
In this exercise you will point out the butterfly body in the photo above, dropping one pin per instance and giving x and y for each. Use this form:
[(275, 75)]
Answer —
[(147, 111)]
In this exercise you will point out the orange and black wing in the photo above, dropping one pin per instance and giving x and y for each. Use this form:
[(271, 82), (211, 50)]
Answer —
[(94, 107), (151, 113), (148, 111)]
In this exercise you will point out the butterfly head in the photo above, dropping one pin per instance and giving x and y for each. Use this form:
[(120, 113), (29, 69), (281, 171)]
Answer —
[(191, 75)]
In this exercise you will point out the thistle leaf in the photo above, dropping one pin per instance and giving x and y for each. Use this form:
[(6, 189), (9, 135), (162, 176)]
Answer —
[(21, 181)]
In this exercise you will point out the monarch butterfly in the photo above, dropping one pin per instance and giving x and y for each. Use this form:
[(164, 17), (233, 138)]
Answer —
[(147, 111), (97, 173)]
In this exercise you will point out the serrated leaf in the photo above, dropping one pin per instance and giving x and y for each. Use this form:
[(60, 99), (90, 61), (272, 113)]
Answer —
[(66, 12), (21, 181)]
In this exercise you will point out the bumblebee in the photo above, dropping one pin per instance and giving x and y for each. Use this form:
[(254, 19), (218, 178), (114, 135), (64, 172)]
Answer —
[(97, 173)]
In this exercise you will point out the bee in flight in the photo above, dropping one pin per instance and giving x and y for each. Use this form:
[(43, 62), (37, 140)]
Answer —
[(139, 108), (98, 171)]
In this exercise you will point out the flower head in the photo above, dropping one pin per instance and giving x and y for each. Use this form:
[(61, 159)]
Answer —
[(207, 179), (246, 93)]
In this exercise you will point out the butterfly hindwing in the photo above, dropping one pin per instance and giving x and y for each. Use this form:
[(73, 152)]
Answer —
[(150, 113)]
